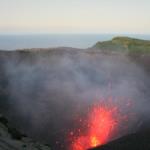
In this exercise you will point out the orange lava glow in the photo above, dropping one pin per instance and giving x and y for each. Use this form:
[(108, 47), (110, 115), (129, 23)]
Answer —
[(102, 122)]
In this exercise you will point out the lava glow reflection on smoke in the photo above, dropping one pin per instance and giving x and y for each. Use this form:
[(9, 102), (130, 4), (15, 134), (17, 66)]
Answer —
[(101, 125)]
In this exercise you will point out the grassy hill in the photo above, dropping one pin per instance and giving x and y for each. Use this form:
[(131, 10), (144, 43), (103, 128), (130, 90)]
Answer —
[(124, 44), (136, 49)]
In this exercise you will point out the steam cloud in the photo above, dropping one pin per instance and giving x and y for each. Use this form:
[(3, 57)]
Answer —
[(47, 90)]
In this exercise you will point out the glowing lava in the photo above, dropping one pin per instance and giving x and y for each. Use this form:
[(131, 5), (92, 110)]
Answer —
[(102, 123)]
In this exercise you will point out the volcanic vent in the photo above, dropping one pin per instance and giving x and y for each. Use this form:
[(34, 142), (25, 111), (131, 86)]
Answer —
[(104, 122)]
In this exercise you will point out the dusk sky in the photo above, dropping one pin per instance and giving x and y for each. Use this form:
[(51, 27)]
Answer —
[(75, 16)]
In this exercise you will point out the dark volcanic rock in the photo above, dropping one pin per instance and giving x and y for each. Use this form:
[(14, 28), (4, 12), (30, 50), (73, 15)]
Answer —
[(11, 139), (137, 141)]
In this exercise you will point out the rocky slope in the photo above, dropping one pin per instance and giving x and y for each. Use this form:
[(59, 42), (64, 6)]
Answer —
[(11, 139)]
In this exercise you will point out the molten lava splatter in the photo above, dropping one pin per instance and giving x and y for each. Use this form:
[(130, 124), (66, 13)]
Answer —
[(101, 124)]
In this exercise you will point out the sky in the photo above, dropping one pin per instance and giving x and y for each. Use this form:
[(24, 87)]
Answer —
[(75, 16)]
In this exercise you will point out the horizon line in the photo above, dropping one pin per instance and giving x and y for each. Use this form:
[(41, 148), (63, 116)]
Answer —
[(69, 33)]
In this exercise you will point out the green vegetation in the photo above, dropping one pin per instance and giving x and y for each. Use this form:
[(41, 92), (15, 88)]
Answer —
[(124, 44)]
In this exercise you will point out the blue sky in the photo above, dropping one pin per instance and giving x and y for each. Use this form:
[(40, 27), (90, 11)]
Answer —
[(75, 16)]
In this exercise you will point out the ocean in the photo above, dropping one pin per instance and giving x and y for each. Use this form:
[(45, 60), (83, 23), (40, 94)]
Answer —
[(12, 42)]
